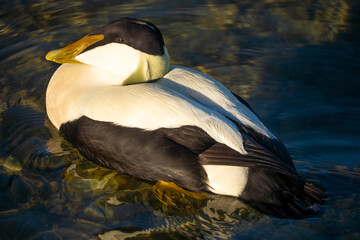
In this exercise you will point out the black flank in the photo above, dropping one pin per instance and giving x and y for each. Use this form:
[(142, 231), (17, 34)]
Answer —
[(176, 155), (144, 154), (274, 186), (281, 195)]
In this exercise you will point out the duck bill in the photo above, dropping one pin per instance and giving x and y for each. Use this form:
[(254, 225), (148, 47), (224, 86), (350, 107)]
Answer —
[(67, 54)]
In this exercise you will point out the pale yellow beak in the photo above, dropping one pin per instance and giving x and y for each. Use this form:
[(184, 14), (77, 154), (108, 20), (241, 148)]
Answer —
[(67, 54)]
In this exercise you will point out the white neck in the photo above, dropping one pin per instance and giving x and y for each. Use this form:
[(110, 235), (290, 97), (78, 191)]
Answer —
[(126, 63)]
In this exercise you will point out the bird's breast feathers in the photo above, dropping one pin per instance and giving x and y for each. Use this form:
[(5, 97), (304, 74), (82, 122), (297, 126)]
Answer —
[(148, 105)]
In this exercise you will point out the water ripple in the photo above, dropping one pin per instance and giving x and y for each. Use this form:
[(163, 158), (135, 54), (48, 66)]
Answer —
[(296, 62)]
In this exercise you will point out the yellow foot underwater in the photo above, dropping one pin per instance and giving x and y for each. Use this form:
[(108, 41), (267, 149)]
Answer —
[(172, 195)]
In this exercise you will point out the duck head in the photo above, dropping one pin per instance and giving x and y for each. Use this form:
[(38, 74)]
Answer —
[(131, 49)]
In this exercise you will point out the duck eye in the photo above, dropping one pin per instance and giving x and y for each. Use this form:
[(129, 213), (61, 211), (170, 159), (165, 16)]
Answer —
[(119, 40)]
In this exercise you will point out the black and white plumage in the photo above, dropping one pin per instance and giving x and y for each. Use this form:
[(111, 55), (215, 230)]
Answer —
[(117, 99)]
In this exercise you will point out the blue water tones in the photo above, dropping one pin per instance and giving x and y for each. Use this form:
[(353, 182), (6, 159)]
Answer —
[(297, 64)]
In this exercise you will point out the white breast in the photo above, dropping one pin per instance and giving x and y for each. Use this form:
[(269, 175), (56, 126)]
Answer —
[(77, 90), (73, 92)]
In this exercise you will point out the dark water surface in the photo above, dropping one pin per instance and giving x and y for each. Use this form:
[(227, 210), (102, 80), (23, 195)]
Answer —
[(296, 62)]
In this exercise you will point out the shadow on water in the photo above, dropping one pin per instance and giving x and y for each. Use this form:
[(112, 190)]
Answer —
[(296, 63), (40, 170)]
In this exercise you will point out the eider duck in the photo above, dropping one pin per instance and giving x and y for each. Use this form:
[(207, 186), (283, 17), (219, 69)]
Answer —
[(116, 98)]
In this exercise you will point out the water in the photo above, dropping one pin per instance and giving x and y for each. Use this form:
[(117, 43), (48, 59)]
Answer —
[(297, 63)]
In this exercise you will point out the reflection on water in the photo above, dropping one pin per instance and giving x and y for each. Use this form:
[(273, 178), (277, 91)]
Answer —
[(296, 62)]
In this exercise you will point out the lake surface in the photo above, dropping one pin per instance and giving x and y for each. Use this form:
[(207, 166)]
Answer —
[(296, 62)]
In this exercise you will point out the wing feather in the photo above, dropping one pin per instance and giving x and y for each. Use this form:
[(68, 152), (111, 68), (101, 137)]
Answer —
[(272, 144), (213, 153)]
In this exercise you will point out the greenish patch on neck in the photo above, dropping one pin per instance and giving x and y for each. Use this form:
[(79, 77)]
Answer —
[(150, 69), (140, 74)]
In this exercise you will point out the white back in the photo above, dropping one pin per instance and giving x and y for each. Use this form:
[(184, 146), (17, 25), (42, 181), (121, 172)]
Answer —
[(212, 94), (78, 89)]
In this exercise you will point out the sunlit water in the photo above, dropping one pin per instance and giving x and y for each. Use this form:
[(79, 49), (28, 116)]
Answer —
[(296, 62)]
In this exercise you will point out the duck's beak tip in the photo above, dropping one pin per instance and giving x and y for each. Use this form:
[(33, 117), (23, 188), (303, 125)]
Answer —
[(67, 54)]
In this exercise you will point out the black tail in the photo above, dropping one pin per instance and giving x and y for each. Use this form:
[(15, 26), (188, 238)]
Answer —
[(282, 196)]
